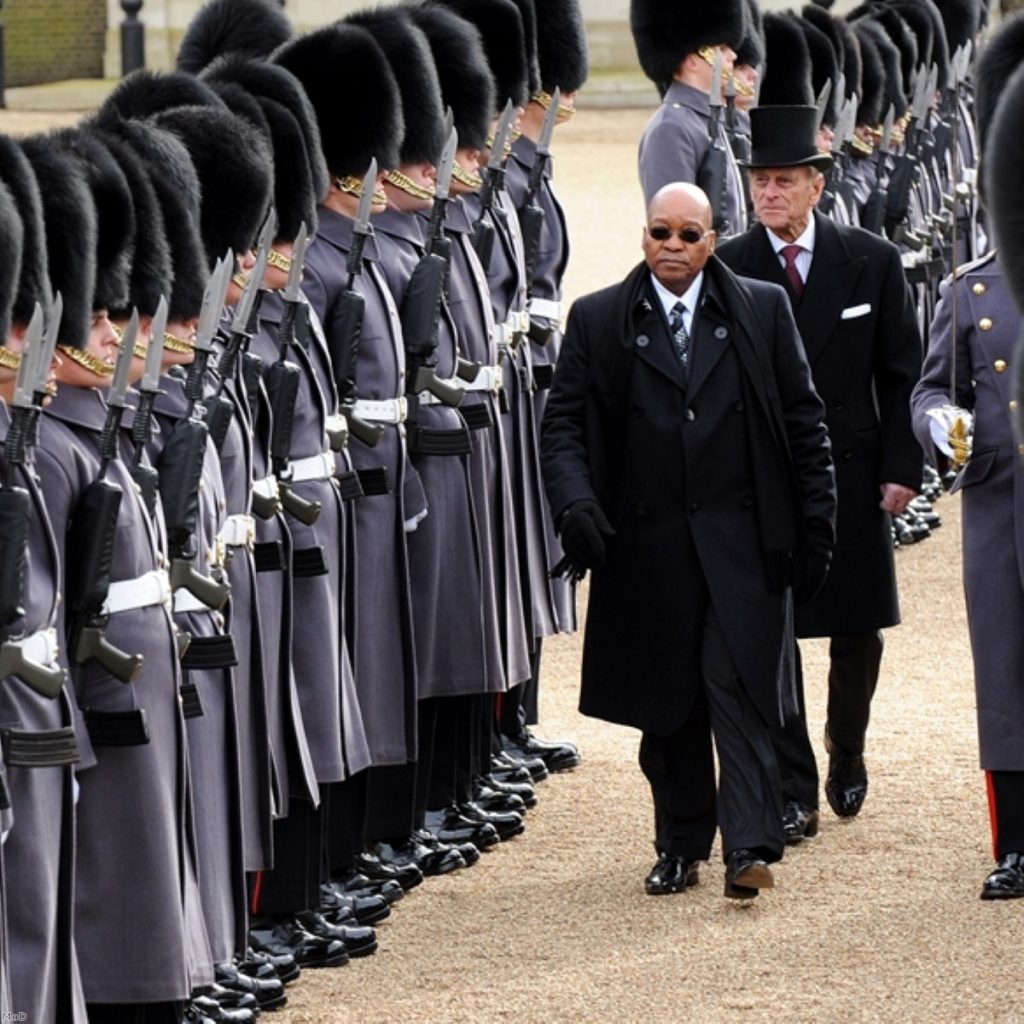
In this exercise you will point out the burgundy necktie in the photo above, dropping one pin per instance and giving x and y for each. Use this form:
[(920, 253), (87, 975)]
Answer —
[(789, 254)]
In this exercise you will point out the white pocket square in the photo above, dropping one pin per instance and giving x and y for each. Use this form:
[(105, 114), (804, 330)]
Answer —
[(852, 312)]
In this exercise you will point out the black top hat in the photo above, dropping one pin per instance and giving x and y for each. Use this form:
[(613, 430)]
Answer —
[(785, 136)]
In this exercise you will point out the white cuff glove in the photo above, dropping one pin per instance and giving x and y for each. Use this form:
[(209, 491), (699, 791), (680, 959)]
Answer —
[(951, 429)]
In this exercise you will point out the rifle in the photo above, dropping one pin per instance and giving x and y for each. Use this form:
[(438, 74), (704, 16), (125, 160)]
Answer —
[(91, 533), (873, 214), (425, 293), (145, 476), (907, 168), (483, 229), (531, 216), (282, 380), (15, 516), (711, 176), (343, 342)]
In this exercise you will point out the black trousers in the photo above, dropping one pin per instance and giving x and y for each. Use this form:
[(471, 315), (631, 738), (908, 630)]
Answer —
[(134, 1013), (854, 663), (346, 823), (1006, 811), (681, 773), (294, 882), (463, 723), (519, 703)]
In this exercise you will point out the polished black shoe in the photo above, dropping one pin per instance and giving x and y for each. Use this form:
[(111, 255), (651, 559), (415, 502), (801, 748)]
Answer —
[(363, 909), (495, 800), (309, 951), (846, 785), (504, 769), (746, 875), (256, 964), (450, 826), (231, 998), (557, 756), (1007, 881), (359, 941), (508, 824), (408, 851), (268, 992), (355, 883), (407, 875), (207, 1009), (799, 822), (469, 853), (524, 790), (534, 766), (672, 873)]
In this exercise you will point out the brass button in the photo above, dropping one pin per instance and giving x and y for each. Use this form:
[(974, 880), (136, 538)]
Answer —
[(985, 323), (1013, 405), (979, 288), (999, 365), (1020, 449)]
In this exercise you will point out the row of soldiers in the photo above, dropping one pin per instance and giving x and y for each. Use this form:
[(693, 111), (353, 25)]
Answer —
[(275, 558)]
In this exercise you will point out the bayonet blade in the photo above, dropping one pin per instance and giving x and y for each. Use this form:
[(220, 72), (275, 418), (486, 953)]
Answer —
[(715, 98), (209, 312), (887, 126), (25, 380), (497, 154), (53, 317), (444, 169), (154, 352), (125, 354), (240, 322), (299, 246), (547, 129), (822, 103), (362, 225)]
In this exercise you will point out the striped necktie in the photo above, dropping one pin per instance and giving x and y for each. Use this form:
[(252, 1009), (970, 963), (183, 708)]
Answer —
[(681, 337)]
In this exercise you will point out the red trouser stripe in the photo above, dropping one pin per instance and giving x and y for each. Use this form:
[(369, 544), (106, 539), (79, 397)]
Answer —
[(993, 815), (257, 886)]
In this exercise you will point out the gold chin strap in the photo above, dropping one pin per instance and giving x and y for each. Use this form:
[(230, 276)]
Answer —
[(9, 360), (861, 146), (241, 279), (468, 178), (183, 346), (88, 361), (138, 350), (543, 99), (742, 89), (279, 260), (353, 186), (707, 53), (408, 186)]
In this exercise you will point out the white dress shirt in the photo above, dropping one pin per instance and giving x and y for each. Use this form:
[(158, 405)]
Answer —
[(805, 241), (689, 299)]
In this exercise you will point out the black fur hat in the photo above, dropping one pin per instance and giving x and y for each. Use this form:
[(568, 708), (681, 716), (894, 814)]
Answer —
[(353, 91), (151, 268), (11, 237), (115, 215), (786, 79), (412, 62), (1000, 58), (962, 19), (295, 199), (466, 85), (824, 67), (851, 63), (501, 27), (253, 28), (269, 82), (1001, 163), (899, 35), (892, 74), (243, 104), (561, 44), (528, 15), (33, 283), (667, 31), (872, 106), (70, 217), (236, 174), (751, 49), (926, 9), (144, 93)]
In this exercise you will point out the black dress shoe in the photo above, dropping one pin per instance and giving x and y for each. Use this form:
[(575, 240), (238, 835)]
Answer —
[(1007, 881), (672, 873), (495, 800), (746, 875), (523, 790), (557, 756), (451, 826), (283, 965), (208, 1009), (407, 875), (268, 992), (846, 785), (469, 853), (231, 998), (356, 883), (507, 824), (535, 766), (365, 909), (358, 940), (799, 822), (430, 862), (309, 951), (504, 769)]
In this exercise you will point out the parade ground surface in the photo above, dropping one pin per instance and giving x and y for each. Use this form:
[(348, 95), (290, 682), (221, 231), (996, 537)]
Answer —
[(876, 919)]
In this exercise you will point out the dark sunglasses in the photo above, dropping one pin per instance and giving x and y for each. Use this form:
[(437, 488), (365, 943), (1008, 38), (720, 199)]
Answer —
[(691, 236)]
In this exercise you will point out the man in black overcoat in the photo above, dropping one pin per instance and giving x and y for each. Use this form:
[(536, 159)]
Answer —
[(856, 319), (687, 466)]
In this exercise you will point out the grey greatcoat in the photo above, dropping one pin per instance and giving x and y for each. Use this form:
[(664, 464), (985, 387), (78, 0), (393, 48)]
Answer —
[(381, 632), (138, 926), (38, 854), (710, 485), (445, 577), (992, 490), (470, 303), (674, 145)]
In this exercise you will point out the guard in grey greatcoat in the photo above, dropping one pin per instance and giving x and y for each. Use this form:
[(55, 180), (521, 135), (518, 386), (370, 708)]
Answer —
[(138, 929), (676, 46), (38, 851)]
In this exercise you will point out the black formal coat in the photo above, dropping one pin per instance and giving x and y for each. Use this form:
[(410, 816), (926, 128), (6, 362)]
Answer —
[(857, 323), (711, 486)]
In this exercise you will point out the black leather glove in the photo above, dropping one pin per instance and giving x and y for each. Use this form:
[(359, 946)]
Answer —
[(812, 570), (583, 528)]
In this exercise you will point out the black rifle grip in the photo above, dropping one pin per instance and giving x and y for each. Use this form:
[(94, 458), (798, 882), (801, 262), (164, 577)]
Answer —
[(90, 547), (15, 514)]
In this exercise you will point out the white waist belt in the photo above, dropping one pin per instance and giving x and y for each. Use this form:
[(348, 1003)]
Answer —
[(488, 379), (148, 589), (238, 531), (382, 410), (508, 332), (186, 601), (334, 423), (547, 308), (313, 467), (426, 398), (266, 488), (39, 648)]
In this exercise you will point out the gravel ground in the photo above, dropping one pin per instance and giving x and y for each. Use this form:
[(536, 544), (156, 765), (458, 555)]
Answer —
[(877, 919)]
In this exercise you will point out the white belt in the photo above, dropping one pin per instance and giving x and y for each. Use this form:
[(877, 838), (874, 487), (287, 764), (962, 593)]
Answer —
[(238, 531), (506, 333), (186, 601), (547, 308), (148, 589), (267, 488), (38, 648), (489, 378), (382, 410), (427, 398), (313, 467)]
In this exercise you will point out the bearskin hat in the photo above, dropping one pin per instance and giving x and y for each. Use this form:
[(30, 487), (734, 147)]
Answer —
[(33, 283), (786, 79), (1001, 162), (751, 49), (824, 68), (893, 94), (873, 103), (899, 36), (11, 237), (561, 45), (252, 28), (144, 93), (962, 19), (1000, 58)]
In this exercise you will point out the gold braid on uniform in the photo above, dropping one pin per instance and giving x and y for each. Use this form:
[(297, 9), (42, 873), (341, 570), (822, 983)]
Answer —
[(353, 186), (9, 360), (88, 361), (742, 89), (183, 346), (861, 146), (468, 178), (543, 99), (279, 261), (408, 186)]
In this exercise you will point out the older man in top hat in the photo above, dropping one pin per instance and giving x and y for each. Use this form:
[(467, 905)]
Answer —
[(853, 310)]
